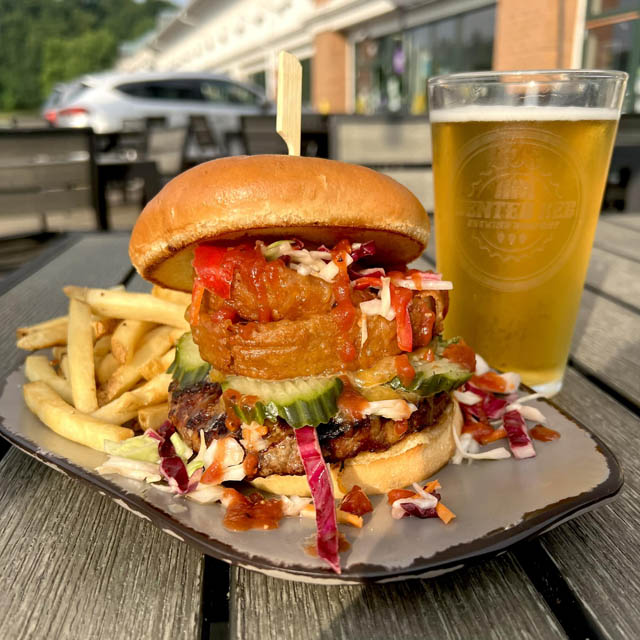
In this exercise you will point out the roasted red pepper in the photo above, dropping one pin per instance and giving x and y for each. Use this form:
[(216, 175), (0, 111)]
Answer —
[(400, 299), (214, 269)]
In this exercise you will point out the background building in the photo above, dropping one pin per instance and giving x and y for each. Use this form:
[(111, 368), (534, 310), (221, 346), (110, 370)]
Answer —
[(370, 56)]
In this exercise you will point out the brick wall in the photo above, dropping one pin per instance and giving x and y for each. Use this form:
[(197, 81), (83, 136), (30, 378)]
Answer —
[(534, 34), (329, 73)]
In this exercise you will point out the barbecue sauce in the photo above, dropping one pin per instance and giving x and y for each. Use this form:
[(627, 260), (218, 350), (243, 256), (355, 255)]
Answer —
[(251, 512), (352, 402), (356, 502), (543, 434), (311, 545)]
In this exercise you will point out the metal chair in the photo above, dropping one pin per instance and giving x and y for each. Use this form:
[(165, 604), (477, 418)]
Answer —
[(259, 135), (47, 170)]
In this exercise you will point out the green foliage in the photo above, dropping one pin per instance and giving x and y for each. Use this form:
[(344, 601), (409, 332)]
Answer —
[(43, 42)]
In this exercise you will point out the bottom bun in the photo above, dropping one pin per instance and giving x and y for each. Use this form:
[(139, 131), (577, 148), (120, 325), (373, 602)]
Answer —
[(413, 459)]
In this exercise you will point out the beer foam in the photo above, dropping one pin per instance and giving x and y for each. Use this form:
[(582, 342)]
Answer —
[(520, 114)]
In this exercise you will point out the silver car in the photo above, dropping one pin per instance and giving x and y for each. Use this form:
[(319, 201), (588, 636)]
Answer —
[(109, 102)]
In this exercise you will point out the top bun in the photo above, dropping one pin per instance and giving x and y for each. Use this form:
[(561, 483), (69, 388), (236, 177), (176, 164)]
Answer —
[(273, 197)]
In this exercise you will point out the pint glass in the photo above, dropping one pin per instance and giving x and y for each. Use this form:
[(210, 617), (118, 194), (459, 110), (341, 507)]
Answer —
[(520, 161)]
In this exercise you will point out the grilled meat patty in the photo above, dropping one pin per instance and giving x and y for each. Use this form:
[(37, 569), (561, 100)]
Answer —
[(201, 407)]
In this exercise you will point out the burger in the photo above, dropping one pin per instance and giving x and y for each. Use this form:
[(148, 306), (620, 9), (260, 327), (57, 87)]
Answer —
[(314, 350)]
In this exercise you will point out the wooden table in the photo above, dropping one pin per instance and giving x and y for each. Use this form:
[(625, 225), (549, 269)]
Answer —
[(75, 565)]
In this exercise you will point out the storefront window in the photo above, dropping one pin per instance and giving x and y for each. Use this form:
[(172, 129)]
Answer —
[(612, 41), (392, 71)]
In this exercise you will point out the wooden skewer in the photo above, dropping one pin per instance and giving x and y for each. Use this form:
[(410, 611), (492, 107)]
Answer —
[(289, 101)]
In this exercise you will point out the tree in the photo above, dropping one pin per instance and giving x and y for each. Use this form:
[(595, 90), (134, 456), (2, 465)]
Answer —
[(43, 42)]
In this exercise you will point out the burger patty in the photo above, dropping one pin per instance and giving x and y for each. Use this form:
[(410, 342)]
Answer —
[(200, 408)]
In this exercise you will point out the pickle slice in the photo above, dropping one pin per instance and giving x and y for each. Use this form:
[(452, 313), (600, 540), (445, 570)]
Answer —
[(300, 402), (434, 377), (188, 368)]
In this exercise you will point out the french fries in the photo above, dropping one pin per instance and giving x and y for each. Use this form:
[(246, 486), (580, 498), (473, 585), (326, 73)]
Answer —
[(44, 338), (69, 422), (126, 406), (159, 341), (130, 306), (80, 352), (158, 365), (177, 297), (39, 369), (126, 337), (153, 417), (108, 363)]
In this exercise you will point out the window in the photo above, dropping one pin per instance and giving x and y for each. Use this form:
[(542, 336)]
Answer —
[(184, 89), (392, 71), (612, 41), (223, 92)]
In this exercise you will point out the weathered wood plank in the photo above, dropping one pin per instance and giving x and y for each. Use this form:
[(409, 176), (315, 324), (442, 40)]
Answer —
[(606, 344), (619, 240), (598, 552), (76, 565), (629, 220), (615, 276), (492, 600)]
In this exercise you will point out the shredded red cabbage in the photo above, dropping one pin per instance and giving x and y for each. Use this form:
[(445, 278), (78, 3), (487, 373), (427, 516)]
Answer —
[(412, 509), (489, 408), (519, 440), (365, 249), (174, 471), (172, 467), (322, 491)]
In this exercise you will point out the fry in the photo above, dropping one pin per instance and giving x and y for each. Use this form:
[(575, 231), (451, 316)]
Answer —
[(41, 326), (126, 338), (80, 352), (67, 421), (44, 338), (64, 367), (133, 306), (58, 352), (154, 416), (177, 297), (106, 368), (126, 407), (102, 346), (103, 326), (38, 369), (158, 342), (158, 365)]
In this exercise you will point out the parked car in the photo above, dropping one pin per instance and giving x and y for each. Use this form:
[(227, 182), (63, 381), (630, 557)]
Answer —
[(109, 102)]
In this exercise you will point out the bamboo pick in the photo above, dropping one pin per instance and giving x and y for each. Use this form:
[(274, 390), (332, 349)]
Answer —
[(289, 101)]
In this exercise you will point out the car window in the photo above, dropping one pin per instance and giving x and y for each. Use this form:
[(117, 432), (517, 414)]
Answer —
[(222, 92), (163, 89)]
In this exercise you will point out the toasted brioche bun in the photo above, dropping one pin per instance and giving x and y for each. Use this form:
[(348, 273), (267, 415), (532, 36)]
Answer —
[(413, 459), (271, 197)]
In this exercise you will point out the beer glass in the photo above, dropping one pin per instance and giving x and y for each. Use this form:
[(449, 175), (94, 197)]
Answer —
[(520, 161)]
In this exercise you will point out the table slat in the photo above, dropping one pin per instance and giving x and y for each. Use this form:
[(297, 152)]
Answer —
[(598, 552), (76, 565), (605, 344), (618, 240), (629, 220), (494, 599), (614, 276)]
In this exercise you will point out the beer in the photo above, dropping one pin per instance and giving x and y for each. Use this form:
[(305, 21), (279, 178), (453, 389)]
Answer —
[(517, 196)]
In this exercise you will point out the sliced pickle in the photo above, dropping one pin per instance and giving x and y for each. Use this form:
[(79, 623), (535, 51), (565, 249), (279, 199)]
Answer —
[(434, 377), (300, 402), (188, 368)]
